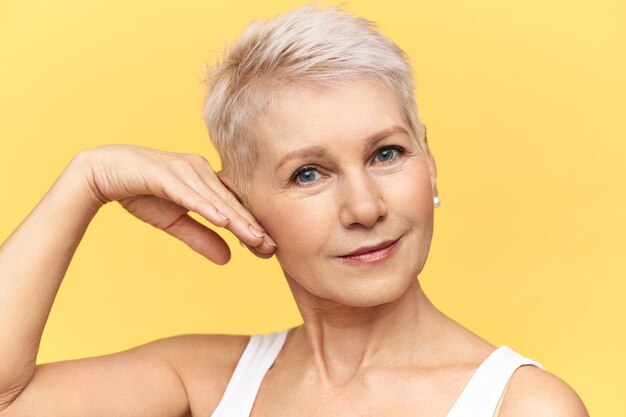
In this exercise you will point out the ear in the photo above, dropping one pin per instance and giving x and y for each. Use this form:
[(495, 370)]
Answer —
[(432, 166), (228, 184)]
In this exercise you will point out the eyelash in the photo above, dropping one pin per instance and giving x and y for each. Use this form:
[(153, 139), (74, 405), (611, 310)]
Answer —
[(294, 177), (398, 149)]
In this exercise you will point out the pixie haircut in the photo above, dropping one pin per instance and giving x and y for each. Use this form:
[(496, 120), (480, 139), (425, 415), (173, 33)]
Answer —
[(312, 45)]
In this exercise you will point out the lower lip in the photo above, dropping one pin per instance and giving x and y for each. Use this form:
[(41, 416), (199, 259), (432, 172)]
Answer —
[(374, 257)]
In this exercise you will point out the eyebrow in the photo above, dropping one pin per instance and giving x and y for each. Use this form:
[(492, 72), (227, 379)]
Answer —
[(321, 151)]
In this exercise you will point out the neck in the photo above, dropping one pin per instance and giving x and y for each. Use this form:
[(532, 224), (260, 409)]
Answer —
[(341, 341)]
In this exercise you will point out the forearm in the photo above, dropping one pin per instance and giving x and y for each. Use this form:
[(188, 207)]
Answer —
[(33, 262)]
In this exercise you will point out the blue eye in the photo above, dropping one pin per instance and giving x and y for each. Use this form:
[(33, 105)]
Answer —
[(387, 154), (305, 175)]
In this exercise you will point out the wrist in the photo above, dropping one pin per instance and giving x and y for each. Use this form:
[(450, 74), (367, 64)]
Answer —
[(80, 174)]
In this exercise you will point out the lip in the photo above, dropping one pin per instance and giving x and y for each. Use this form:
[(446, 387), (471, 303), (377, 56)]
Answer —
[(371, 254)]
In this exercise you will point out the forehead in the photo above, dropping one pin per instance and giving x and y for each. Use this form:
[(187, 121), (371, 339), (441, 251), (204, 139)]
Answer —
[(320, 116)]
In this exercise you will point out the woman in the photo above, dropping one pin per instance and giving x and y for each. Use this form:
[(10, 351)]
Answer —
[(326, 166)]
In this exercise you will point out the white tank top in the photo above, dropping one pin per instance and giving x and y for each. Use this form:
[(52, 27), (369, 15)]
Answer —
[(479, 398)]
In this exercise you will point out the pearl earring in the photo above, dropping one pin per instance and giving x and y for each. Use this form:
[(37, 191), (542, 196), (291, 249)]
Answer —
[(436, 201)]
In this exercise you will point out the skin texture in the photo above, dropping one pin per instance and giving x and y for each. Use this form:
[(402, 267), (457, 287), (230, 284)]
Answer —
[(355, 200), (372, 344), (369, 331), (357, 197)]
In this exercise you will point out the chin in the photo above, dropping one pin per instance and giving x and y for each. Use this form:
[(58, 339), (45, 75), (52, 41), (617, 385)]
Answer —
[(372, 292), (377, 294)]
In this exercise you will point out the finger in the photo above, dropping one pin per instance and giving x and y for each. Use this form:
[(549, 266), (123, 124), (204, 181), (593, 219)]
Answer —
[(200, 238), (223, 188), (241, 222), (231, 197), (172, 218), (210, 206), (179, 192), (259, 254), (216, 182)]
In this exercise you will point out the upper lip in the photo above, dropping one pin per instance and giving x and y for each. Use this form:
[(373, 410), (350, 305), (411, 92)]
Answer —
[(372, 248)]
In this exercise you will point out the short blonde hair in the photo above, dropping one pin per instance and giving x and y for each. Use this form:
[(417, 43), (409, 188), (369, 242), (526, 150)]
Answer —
[(313, 45)]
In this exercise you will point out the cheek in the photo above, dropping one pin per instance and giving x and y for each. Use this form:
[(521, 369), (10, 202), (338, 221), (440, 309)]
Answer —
[(298, 226), (411, 196)]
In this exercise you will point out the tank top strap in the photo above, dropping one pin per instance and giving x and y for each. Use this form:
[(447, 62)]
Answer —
[(482, 393), (244, 384)]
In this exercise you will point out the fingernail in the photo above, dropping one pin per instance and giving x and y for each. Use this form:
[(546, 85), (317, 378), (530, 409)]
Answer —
[(269, 240), (256, 232), (221, 215)]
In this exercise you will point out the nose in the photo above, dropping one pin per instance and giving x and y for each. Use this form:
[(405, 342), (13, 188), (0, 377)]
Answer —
[(361, 201)]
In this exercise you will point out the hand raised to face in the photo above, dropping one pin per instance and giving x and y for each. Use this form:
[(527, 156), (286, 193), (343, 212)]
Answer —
[(161, 188)]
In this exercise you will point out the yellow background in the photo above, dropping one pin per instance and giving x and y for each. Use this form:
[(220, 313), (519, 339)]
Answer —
[(524, 103)]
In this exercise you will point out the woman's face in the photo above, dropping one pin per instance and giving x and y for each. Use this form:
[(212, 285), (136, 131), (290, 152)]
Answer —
[(339, 174)]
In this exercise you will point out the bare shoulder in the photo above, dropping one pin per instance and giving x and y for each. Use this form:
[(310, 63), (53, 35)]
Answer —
[(190, 349), (535, 392), (204, 363)]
